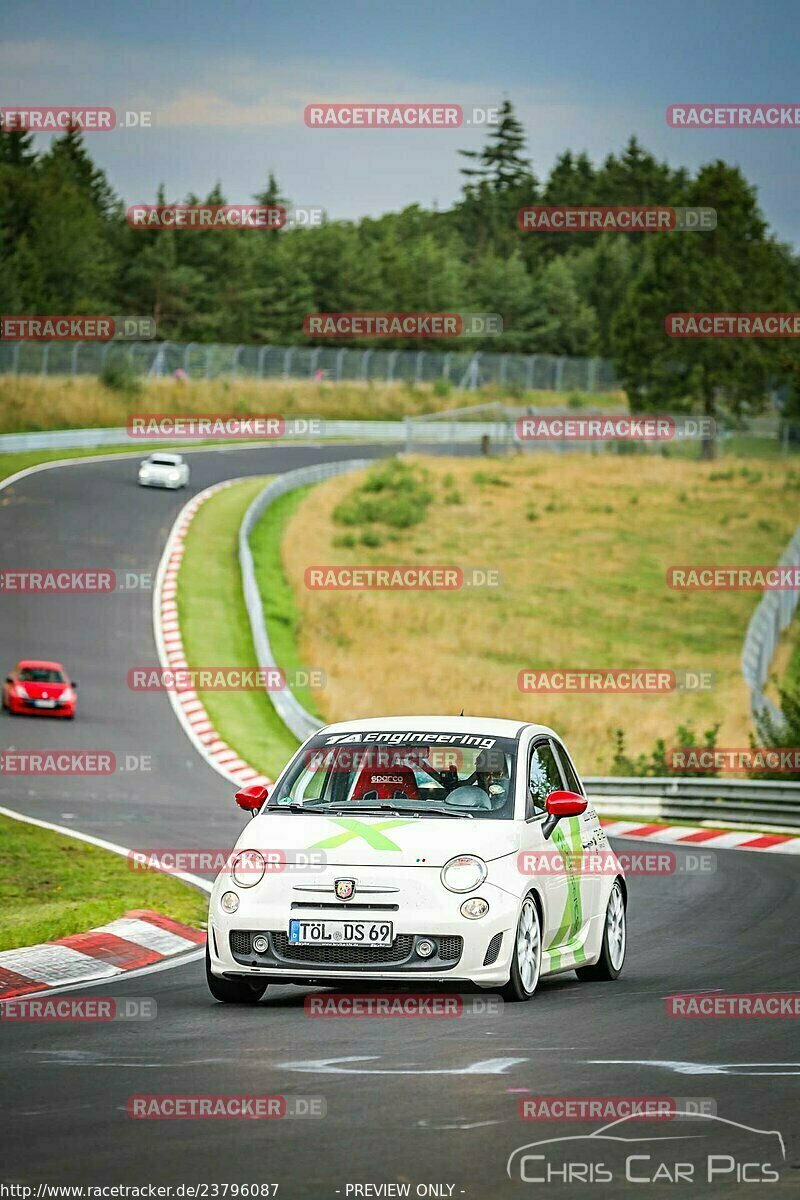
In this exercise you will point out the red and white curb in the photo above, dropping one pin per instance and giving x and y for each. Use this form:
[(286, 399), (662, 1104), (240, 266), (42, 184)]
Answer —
[(691, 835), (139, 939), (187, 704)]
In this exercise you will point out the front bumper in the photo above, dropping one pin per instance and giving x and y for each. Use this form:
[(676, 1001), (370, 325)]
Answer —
[(20, 707), (171, 484), (418, 907)]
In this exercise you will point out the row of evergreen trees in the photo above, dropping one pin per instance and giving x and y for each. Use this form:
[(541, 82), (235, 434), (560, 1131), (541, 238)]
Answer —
[(65, 247)]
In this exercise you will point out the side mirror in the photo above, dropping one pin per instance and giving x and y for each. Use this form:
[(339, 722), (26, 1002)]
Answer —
[(251, 798), (73, 683), (9, 679), (562, 804)]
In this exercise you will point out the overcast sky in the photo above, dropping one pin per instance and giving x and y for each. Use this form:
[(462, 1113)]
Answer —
[(227, 84)]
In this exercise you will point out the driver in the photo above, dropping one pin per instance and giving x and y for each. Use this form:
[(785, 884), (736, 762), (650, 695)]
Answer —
[(490, 773)]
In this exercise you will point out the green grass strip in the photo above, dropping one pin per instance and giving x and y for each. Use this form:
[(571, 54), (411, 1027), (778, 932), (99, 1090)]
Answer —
[(277, 596), (216, 630), (52, 886)]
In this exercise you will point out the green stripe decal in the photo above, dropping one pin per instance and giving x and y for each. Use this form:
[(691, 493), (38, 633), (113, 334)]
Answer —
[(572, 919), (358, 829)]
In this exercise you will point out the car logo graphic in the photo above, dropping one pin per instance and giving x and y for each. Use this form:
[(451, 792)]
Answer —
[(344, 888)]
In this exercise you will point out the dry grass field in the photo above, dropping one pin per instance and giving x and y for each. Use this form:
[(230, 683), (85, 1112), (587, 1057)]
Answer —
[(582, 545), (33, 402)]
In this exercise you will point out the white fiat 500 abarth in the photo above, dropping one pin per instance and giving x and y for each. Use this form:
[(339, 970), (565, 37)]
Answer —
[(430, 850)]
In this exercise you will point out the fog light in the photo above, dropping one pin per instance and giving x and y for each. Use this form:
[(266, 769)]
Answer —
[(474, 908), (229, 902), (260, 944), (425, 948)]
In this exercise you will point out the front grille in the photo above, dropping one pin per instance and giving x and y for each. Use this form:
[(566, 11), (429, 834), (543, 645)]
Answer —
[(450, 947), (399, 950), (492, 950), (342, 908), (241, 941)]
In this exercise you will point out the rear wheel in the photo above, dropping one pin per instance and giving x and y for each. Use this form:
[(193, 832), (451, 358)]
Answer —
[(526, 958), (233, 991), (612, 956)]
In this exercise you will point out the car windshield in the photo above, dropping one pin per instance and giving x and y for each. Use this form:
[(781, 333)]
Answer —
[(426, 773), (161, 460), (40, 675)]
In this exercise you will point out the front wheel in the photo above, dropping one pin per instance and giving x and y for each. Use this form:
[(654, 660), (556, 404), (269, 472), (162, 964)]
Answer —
[(615, 937), (233, 991), (526, 958)]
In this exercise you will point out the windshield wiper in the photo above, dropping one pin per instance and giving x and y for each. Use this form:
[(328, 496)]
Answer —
[(344, 809), (440, 812), (300, 808), (341, 810)]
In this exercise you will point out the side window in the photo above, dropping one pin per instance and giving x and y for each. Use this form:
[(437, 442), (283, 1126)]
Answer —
[(569, 771), (543, 778)]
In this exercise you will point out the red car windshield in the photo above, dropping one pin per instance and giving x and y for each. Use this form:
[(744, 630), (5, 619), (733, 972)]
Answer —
[(40, 675)]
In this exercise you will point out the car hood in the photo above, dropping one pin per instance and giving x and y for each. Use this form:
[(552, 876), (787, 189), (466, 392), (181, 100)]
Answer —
[(380, 840), (44, 691)]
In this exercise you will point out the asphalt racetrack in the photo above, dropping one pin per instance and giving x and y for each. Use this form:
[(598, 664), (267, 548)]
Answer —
[(417, 1101)]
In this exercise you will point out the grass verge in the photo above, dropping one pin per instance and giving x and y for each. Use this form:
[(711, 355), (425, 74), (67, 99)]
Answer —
[(216, 630), (52, 886), (37, 402), (582, 546), (277, 597)]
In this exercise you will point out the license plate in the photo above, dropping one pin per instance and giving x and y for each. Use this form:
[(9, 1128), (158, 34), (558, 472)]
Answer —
[(340, 933), (45, 703)]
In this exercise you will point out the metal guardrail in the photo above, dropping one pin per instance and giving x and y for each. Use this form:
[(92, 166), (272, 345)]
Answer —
[(443, 432), (673, 798), (773, 614), (296, 718)]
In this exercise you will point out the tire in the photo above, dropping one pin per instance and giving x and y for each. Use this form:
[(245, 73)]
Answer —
[(233, 991), (526, 957), (615, 939)]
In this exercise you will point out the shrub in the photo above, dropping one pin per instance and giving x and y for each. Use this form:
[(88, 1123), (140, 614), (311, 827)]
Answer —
[(119, 373), (655, 763), (781, 733), (393, 494)]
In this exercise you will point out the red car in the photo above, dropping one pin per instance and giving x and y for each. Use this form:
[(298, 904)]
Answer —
[(39, 687)]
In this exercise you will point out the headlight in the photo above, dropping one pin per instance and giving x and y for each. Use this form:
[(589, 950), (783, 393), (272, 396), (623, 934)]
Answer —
[(229, 902), (21, 691), (464, 873), (474, 908), (248, 868), (174, 474)]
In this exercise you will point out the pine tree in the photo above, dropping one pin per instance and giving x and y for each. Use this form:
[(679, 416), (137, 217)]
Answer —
[(501, 162), (69, 158)]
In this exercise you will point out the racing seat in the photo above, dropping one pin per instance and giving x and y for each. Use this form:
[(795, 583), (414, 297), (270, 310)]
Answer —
[(386, 783)]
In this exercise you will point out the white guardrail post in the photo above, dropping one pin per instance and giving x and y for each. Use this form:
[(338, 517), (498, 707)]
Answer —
[(773, 614), (296, 718)]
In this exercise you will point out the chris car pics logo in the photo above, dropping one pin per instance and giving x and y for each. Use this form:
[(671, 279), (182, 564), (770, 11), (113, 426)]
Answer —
[(703, 1149)]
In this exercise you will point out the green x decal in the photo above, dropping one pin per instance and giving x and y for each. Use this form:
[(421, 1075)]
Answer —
[(357, 829)]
